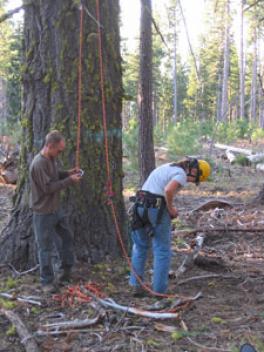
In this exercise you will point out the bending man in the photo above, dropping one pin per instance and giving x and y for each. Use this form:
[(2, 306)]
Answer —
[(153, 211)]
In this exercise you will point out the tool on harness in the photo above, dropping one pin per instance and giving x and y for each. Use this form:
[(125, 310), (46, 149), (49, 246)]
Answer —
[(145, 200)]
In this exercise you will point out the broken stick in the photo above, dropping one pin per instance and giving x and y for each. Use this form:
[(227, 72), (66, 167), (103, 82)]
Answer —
[(26, 337)]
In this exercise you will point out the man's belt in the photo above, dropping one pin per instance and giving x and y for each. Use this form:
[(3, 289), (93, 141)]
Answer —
[(149, 199)]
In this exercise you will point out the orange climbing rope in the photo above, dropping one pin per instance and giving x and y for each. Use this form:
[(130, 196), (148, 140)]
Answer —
[(109, 179), (109, 186)]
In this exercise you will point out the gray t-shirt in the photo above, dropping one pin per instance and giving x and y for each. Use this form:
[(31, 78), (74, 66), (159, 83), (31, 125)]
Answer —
[(161, 176)]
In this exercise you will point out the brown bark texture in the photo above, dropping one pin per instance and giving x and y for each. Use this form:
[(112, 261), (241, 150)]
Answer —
[(49, 78), (146, 146)]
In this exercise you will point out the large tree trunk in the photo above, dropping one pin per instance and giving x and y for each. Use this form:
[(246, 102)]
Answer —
[(146, 147), (51, 37)]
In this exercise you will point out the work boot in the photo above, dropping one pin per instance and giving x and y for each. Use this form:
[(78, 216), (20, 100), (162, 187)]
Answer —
[(65, 276), (49, 288), (138, 292)]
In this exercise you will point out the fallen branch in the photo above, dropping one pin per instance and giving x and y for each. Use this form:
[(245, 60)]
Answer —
[(224, 229), (208, 276), (171, 305), (26, 338), (20, 299), (18, 273), (189, 259), (110, 303), (71, 324), (41, 333)]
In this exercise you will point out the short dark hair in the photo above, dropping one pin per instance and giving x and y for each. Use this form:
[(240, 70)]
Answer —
[(53, 137)]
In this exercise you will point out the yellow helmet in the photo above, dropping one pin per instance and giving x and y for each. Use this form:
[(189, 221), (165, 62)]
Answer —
[(204, 170)]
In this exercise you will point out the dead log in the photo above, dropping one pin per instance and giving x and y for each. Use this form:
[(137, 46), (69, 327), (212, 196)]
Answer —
[(230, 156), (233, 149), (189, 259), (10, 176), (26, 337), (260, 167), (257, 158), (8, 167), (212, 204)]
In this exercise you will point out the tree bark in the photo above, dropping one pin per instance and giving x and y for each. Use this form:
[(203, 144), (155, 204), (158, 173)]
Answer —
[(50, 67), (254, 79), (175, 88), (146, 146), (242, 65), (224, 105)]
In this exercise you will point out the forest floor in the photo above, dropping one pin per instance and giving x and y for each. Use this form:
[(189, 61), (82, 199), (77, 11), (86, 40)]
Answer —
[(228, 271)]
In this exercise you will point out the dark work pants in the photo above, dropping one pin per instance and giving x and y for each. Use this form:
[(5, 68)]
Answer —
[(52, 230)]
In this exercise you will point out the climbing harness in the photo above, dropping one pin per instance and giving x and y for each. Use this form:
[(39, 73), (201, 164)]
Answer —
[(146, 200)]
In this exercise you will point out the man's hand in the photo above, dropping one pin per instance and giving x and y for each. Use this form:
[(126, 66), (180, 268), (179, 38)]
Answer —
[(75, 177), (173, 212), (73, 171), (170, 190)]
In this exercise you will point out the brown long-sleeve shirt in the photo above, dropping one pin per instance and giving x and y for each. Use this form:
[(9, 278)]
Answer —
[(46, 183)]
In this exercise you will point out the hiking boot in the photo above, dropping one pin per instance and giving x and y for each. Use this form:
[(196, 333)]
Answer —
[(49, 288), (138, 292), (64, 277)]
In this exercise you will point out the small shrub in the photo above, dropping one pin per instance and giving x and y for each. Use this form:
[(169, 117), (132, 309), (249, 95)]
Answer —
[(11, 331), (10, 283), (257, 134), (183, 138), (7, 304), (217, 320), (242, 160), (227, 132)]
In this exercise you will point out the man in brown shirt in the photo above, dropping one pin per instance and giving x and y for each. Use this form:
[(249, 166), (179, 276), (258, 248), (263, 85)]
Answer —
[(49, 222)]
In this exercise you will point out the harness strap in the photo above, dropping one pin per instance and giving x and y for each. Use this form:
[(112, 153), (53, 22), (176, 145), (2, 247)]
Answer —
[(147, 200)]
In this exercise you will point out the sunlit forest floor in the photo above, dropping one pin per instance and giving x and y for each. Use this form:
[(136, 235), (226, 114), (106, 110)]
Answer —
[(228, 271)]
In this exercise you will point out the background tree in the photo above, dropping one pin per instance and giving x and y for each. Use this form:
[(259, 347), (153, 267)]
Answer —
[(50, 66), (226, 68), (242, 62), (146, 147), (10, 49)]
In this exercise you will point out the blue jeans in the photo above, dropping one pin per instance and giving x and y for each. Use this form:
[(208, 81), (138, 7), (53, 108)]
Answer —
[(161, 246), (52, 230)]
